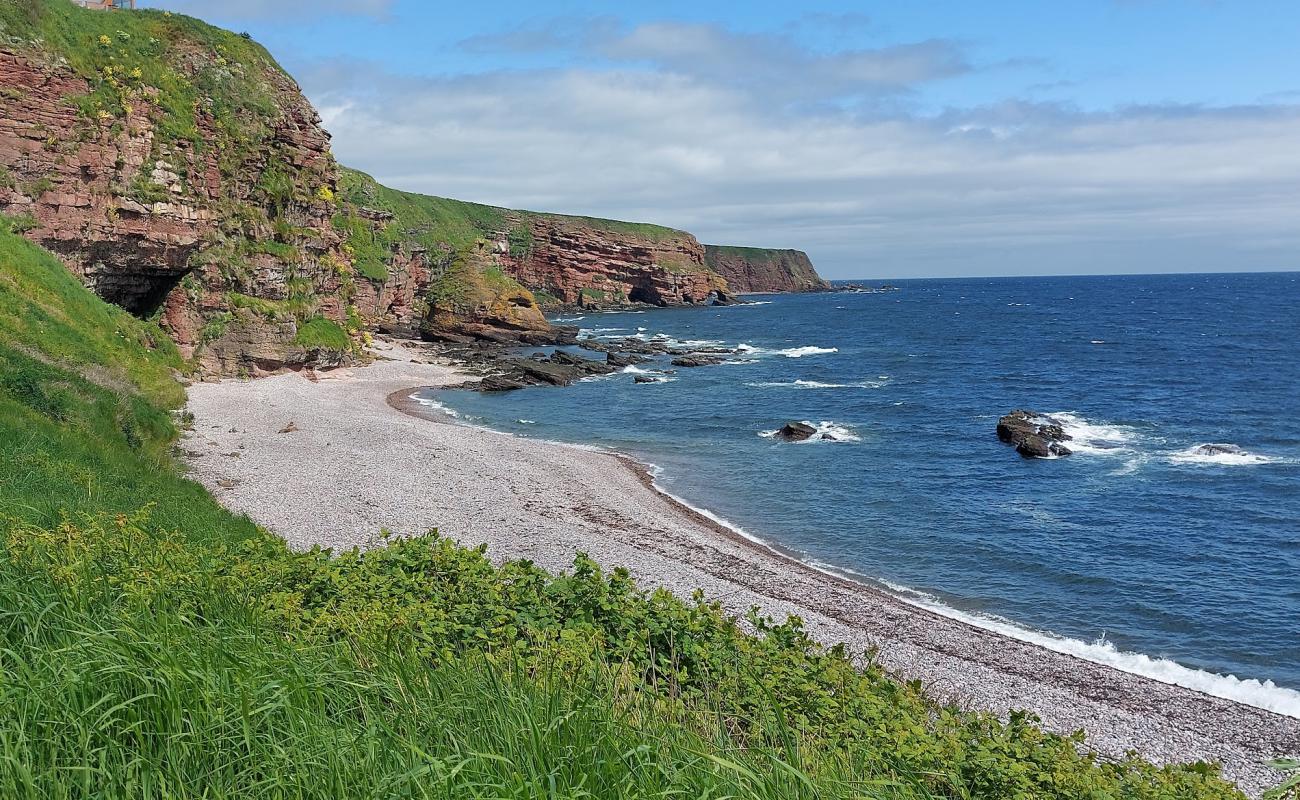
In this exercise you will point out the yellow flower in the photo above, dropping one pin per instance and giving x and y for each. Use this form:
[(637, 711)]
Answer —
[(104, 41), (137, 73)]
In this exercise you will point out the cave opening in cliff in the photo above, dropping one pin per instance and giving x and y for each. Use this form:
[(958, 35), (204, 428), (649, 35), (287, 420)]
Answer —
[(641, 294), (139, 293)]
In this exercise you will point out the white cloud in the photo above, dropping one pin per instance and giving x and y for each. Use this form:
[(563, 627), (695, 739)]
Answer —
[(721, 146), (269, 9)]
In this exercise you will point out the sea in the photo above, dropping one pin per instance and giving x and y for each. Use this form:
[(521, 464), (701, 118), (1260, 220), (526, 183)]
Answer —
[(1139, 550)]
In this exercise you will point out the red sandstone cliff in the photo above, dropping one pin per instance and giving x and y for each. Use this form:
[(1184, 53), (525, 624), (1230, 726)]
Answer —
[(599, 262), (756, 269)]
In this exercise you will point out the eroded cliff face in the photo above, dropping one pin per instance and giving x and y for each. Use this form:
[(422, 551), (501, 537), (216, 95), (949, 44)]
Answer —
[(756, 269), (179, 172), (217, 221), (600, 263)]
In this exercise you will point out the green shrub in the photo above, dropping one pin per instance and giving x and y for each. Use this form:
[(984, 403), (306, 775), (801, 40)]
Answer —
[(324, 334), (657, 662), (520, 239)]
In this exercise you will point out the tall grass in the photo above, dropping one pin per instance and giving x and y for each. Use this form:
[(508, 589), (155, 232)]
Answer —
[(108, 698)]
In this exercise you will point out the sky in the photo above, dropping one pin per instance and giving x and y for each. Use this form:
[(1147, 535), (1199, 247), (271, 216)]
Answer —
[(887, 139)]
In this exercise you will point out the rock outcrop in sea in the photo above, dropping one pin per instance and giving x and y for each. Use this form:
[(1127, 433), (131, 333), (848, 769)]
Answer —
[(1034, 435)]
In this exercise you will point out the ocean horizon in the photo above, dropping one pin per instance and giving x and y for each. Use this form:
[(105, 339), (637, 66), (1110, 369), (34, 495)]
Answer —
[(1142, 549)]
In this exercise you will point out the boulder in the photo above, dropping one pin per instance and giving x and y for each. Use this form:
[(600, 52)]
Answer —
[(1215, 449), (499, 383), (1033, 435), (645, 379), (696, 361), (796, 432), (621, 360)]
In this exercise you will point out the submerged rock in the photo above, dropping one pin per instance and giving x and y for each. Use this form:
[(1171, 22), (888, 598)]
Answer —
[(1215, 449), (1034, 435)]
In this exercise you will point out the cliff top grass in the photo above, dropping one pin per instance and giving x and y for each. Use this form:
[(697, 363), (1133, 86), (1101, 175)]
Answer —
[(460, 221), (191, 64), (760, 254)]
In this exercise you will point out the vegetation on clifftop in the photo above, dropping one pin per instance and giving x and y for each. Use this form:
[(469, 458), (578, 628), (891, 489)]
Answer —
[(153, 645), (145, 58)]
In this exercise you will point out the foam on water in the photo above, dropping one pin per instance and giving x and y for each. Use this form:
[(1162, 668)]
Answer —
[(789, 352), (827, 431), (526, 421), (802, 384), (1232, 456), (429, 402), (1094, 438), (1261, 694)]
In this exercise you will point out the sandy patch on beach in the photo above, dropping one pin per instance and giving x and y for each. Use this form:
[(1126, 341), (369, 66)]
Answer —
[(357, 464)]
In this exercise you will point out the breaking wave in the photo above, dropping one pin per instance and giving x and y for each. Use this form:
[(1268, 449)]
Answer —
[(802, 384), (1260, 694), (1097, 438), (791, 352), (825, 432), (1222, 455)]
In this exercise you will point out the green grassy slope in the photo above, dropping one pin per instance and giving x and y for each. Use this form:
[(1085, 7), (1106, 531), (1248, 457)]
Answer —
[(86, 392), (152, 645), (120, 53)]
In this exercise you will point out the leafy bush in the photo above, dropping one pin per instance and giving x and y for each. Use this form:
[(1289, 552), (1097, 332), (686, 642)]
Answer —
[(520, 239), (434, 608), (324, 334)]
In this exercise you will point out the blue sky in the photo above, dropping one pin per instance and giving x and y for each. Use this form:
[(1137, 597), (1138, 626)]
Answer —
[(887, 139)]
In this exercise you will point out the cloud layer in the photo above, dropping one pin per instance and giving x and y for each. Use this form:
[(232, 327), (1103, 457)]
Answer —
[(754, 139), (274, 9)]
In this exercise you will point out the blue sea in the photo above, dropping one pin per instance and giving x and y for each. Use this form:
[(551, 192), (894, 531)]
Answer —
[(1138, 550)]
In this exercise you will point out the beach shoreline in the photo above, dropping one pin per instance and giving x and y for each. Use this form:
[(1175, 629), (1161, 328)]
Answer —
[(364, 458)]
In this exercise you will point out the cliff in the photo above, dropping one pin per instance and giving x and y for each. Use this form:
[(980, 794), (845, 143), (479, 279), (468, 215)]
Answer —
[(756, 269), (596, 262), (178, 171)]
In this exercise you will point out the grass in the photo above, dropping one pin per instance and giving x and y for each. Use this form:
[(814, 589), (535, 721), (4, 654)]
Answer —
[(86, 392), (110, 698), (120, 54), (321, 333)]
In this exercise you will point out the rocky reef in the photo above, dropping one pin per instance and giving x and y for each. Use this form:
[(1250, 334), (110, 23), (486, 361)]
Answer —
[(180, 173), (1033, 435), (755, 269)]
